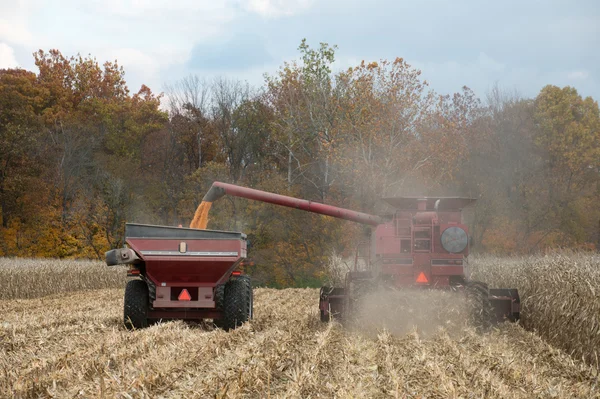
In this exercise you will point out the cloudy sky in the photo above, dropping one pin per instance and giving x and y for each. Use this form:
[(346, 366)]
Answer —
[(519, 44)]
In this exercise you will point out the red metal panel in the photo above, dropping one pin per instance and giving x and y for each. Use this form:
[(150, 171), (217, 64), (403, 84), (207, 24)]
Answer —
[(397, 269), (422, 263), (314, 207), (386, 242), (203, 299), (140, 245), (447, 270), (184, 314), (205, 262), (440, 281), (159, 303), (404, 280)]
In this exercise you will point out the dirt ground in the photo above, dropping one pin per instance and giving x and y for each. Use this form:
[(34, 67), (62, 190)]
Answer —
[(75, 346)]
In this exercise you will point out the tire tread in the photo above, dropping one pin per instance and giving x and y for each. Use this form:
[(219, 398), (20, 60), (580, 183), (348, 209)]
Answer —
[(135, 306), (237, 302)]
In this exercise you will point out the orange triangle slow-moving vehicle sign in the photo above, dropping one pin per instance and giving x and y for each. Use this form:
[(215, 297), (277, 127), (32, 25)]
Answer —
[(184, 295), (422, 278)]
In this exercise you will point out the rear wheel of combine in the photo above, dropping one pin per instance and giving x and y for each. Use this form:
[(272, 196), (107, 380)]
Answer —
[(135, 309), (237, 302), (480, 308), (323, 296)]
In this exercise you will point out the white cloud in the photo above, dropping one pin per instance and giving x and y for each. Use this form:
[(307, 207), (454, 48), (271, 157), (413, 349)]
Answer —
[(13, 22), (277, 8), (141, 67), (166, 18), (479, 74), (134, 8), (15, 31), (488, 63), (578, 75), (7, 57)]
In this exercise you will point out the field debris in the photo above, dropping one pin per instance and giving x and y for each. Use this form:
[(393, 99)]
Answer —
[(75, 345)]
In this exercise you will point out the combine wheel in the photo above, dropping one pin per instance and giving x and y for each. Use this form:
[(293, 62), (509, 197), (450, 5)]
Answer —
[(135, 309), (480, 308), (237, 302), (323, 296)]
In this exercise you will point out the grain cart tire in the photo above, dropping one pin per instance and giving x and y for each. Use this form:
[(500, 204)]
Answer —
[(238, 302), (135, 309), (478, 302), (219, 303)]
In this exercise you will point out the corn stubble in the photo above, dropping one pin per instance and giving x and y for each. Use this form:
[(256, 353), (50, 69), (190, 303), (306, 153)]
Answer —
[(560, 297), (33, 278), (404, 345)]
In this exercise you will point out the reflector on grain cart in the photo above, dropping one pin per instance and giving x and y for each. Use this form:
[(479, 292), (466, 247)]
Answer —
[(424, 244), (184, 274)]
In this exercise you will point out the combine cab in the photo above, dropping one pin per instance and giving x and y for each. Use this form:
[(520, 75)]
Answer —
[(182, 273), (423, 245)]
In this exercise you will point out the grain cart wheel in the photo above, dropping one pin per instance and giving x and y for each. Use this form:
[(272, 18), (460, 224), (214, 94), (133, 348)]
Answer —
[(135, 309), (219, 303), (478, 302), (238, 302)]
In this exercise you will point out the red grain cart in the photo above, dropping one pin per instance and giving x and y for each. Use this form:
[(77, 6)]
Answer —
[(182, 273)]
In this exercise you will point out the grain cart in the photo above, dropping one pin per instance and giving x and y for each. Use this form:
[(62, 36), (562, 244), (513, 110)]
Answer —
[(182, 273), (423, 244)]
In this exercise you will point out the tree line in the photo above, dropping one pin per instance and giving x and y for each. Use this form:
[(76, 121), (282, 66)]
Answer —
[(80, 154)]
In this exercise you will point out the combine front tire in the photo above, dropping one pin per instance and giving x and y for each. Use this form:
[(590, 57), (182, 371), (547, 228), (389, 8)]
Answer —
[(135, 309), (237, 302)]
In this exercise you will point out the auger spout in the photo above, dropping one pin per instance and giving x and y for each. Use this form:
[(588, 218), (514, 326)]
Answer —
[(219, 189)]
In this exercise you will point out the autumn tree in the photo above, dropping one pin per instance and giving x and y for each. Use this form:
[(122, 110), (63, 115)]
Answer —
[(90, 130), (305, 97), (242, 123), (21, 104), (384, 106), (568, 137), (499, 172), (189, 101)]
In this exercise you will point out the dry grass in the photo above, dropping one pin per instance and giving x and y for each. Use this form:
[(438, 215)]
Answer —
[(75, 346), (32, 278), (560, 296)]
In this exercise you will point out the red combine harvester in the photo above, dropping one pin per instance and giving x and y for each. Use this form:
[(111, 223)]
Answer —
[(183, 273), (424, 244)]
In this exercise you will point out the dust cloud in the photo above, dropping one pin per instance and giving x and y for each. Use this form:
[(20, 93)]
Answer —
[(402, 312)]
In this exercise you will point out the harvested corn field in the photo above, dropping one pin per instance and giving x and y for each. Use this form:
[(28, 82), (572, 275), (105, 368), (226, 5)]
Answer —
[(76, 346), (32, 278)]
